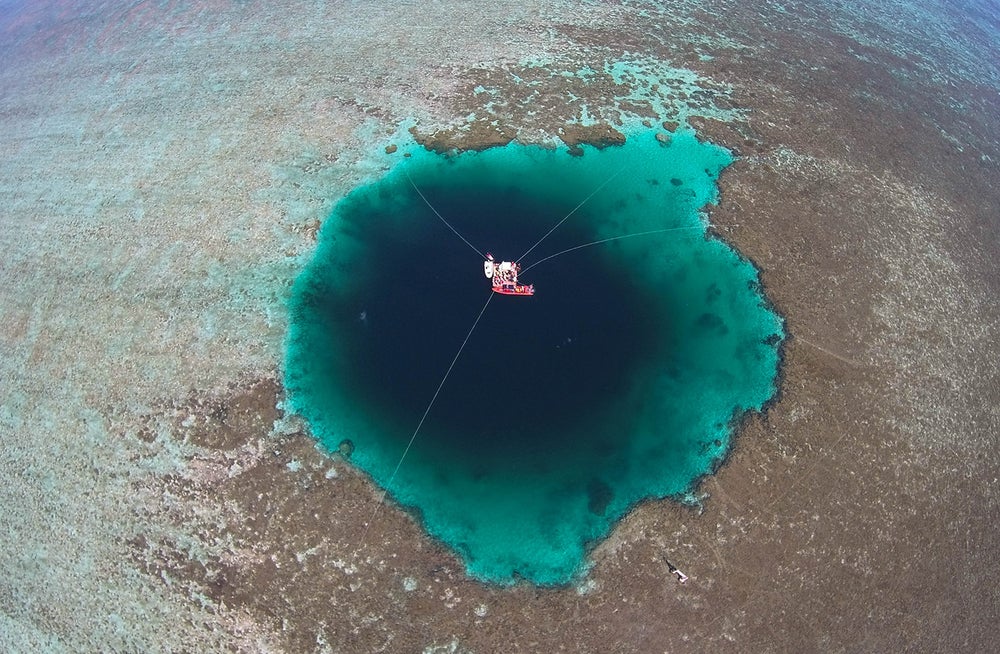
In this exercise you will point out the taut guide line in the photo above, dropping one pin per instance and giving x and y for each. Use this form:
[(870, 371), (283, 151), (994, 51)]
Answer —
[(385, 491), (427, 202)]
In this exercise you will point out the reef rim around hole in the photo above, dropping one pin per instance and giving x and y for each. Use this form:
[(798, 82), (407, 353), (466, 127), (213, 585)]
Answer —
[(700, 344)]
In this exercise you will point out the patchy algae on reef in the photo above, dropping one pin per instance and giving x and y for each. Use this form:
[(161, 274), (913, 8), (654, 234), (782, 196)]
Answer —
[(165, 170)]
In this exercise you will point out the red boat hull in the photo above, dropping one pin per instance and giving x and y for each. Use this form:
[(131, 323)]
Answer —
[(514, 289)]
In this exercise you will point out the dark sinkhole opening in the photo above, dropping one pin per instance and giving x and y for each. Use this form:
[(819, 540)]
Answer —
[(619, 380), (535, 368)]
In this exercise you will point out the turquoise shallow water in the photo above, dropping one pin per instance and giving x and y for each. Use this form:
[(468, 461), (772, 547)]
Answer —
[(620, 380)]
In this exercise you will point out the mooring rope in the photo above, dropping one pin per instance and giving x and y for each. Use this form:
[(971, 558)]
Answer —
[(385, 490), (596, 190), (427, 202), (613, 238)]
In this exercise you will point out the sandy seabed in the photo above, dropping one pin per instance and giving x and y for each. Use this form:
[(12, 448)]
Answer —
[(164, 171)]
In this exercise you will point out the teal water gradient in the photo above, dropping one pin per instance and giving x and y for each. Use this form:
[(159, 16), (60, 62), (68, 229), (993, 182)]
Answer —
[(621, 380)]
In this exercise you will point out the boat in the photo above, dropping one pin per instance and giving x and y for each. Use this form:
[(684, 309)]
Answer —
[(504, 277)]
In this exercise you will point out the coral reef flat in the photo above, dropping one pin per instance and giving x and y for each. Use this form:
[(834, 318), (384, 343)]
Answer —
[(166, 169)]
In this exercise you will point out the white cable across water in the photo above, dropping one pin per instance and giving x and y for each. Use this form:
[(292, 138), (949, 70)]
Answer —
[(606, 182), (613, 238), (427, 202), (388, 484)]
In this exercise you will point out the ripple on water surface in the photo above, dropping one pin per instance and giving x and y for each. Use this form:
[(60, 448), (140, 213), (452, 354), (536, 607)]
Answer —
[(618, 381)]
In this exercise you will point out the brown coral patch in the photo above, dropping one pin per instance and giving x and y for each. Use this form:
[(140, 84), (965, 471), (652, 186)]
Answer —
[(225, 423), (600, 136), (477, 135)]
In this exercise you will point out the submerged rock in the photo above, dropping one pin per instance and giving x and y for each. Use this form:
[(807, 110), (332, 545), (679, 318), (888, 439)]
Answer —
[(600, 136)]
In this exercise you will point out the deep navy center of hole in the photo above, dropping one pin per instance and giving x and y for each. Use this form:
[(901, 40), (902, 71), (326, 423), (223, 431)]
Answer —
[(535, 367)]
